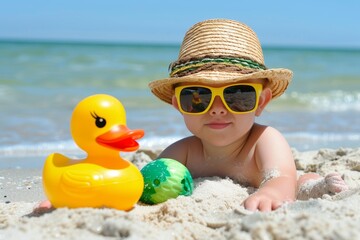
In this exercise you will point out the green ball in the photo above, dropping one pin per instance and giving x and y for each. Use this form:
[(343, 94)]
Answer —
[(165, 178)]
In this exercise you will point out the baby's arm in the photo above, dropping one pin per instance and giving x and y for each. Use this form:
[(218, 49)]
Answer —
[(274, 160)]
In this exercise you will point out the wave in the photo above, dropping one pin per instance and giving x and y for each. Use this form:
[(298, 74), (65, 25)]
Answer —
[(327, 137), (313, 141), (333, 101), (69, 148)]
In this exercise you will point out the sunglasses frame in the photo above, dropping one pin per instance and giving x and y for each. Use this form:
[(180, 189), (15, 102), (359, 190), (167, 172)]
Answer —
[(218, 91)]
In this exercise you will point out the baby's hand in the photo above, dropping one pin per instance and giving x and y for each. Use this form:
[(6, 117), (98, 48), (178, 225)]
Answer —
[(264, 201)]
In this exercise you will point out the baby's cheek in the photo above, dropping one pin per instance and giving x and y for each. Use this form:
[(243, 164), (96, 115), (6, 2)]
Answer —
[(193, 123)]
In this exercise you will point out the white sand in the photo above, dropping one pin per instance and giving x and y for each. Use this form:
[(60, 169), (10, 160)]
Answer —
[(214, 210)]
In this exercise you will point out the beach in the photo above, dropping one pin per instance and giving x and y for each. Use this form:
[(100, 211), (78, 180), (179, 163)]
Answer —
[(213, 211), (41, 82)]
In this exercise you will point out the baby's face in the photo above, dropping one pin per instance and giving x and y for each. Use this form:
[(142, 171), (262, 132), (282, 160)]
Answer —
[(218, 124)]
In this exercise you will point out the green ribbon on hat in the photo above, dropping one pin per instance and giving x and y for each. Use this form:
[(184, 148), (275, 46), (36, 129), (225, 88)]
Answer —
[(194, 64)]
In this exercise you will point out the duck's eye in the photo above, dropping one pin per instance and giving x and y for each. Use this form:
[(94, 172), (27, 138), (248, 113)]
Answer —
[(99, 121)]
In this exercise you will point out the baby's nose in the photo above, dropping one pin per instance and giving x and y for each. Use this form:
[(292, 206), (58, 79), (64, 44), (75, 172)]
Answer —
[(218, 107)]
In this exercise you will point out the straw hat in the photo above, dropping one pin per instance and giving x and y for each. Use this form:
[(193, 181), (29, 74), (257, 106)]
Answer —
[(218, 52)]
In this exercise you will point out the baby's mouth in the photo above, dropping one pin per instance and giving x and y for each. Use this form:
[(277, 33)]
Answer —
[(218, 125)]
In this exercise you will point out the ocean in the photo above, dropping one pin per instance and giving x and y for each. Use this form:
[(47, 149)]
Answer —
[(41, 82)]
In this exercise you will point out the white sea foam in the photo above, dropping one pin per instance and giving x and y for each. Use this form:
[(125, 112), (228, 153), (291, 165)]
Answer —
[(70, 148), (310, 141), (296, 139), (332, 101)]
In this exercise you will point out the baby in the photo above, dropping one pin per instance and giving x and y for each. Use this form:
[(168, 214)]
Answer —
[(219, 83)]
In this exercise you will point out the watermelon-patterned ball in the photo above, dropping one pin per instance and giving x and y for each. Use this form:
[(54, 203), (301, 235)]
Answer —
[(165, 178)]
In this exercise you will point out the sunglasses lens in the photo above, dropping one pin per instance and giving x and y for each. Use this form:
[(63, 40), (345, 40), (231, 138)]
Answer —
[(195, 99), (240, 98)]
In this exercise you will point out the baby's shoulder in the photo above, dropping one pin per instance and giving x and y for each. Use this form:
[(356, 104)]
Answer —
[(187, 141), (262, 134), (180, 149), (259, 130), (266, 139)]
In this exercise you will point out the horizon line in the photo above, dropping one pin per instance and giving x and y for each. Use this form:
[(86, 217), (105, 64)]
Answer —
[(160, 44)]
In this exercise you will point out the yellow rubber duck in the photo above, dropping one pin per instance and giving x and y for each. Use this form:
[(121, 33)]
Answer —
[(103, 178)]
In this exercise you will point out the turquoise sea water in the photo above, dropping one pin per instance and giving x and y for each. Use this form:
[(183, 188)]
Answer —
[(40, 83)]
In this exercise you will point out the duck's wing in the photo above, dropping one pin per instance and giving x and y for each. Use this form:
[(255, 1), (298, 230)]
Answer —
[(81, 183)]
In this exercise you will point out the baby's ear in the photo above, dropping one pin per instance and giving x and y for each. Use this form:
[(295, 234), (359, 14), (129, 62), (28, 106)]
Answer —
[(264, 99), (174, 102)]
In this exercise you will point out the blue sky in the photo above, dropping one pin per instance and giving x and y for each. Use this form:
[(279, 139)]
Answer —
[(277, 22)]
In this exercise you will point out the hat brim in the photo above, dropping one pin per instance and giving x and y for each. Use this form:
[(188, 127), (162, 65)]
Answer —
[(278, 78)]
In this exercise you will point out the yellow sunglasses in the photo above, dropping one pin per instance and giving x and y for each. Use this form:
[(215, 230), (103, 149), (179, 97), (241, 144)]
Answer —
[(237, 98)]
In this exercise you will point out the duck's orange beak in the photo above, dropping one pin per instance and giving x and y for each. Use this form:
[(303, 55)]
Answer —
[(121, 138)]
